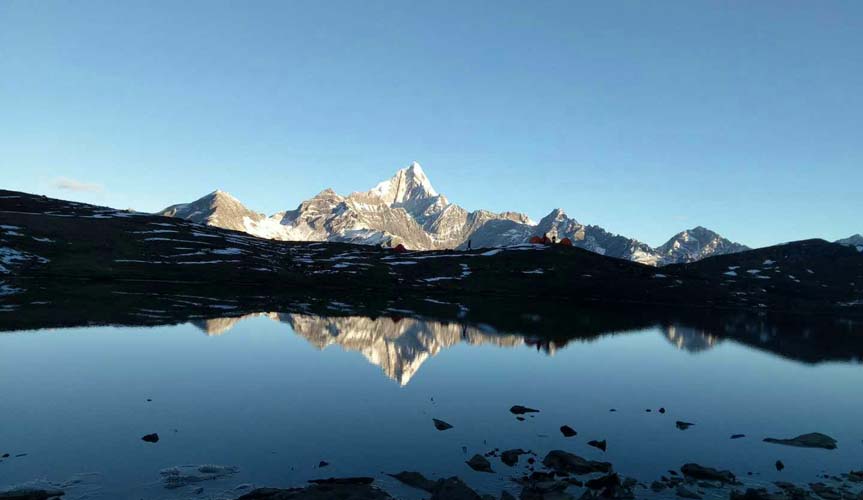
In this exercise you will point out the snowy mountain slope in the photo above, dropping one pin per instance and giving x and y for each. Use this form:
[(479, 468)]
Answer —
[(218, 209), (855, 241), (696, 244), (406, 209), (594, 238)]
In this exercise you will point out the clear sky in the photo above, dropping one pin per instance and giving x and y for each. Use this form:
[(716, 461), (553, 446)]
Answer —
[(643, 117)]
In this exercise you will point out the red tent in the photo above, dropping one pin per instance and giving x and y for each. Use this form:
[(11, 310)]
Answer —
[(566, 242), (400, 248), (546, 241), (536, 240)]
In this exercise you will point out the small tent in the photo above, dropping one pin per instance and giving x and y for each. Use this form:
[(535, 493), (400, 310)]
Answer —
[(566, 242), (400, 248), (536, 240)]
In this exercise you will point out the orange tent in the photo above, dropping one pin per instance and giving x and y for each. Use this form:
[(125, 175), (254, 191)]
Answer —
[(546, 241), (536, 240), (566, 242), (400, 248)]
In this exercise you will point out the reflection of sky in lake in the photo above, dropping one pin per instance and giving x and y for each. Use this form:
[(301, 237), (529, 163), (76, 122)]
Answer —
[(268, 400)]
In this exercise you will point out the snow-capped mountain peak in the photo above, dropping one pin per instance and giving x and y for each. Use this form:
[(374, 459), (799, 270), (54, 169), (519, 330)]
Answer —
[(695, 244), (218, 208), (855, 240), (408, 184), (406, 209)]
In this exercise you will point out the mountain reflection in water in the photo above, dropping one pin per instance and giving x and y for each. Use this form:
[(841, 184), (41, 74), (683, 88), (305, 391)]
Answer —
[(400, 345)]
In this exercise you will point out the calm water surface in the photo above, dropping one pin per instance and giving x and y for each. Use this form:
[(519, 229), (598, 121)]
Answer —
[(276, 394)]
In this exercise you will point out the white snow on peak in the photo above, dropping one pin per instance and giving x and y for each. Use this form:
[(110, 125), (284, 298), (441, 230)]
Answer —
[(407, 184)]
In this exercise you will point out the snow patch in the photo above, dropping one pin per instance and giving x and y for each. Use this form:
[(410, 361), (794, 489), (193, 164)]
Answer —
[(227, 251)]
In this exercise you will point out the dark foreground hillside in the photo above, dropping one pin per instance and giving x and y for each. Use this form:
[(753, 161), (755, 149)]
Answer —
[(45, 241)]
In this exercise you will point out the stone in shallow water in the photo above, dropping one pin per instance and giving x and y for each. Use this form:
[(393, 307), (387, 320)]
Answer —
[(319, 492), (602, 445), (521, 410), (151, 438), (708, 473), (563, 461), (811, 440), (30, 494), (416, 480), (603, 482), (441, 425), (453, 488), (759, 494), (567, 431), (826, 492), (184, 475), (510, 457), (479, 463), (684, 492), (683, 425), (344, 480)]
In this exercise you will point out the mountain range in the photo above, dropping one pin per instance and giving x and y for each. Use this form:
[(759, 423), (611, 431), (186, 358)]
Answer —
[(407, 210)]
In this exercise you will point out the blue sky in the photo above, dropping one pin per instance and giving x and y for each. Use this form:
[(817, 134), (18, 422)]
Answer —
[(643, 117)]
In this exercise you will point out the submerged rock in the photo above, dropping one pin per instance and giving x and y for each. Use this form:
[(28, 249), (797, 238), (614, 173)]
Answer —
[(738, 436), (684, 492), (453, 488), (826, 492), (603, 482), (350, 491), (510, 457), (521, 410), (441, 425), (567, 431), (416, 480), (31, 494), (344, 480), (696, 471), (562, 461), (602, 445), (811, 440), (757, 494), (543, 486), (683, 425), (479, 463), (180, 476), (151, 438), (779, 465)]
